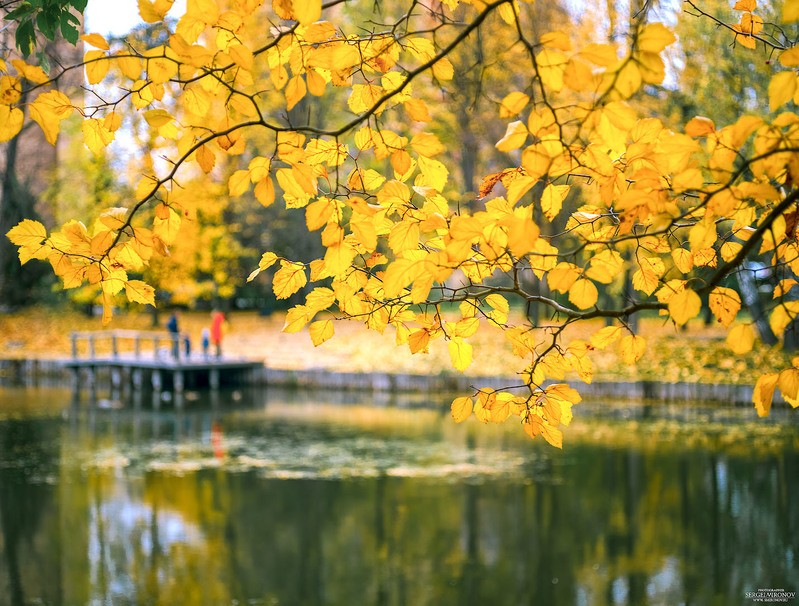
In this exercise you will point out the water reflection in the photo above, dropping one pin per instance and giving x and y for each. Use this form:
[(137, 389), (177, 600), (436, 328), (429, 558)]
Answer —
[(286, 500)]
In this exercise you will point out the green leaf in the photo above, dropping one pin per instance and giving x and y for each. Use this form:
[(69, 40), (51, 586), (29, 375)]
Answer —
[(22, 11), (69, 27), (47, 25), (25, 37)]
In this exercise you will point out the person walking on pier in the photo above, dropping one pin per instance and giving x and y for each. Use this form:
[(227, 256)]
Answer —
[(217, 329), (206, 342), (174, 333)]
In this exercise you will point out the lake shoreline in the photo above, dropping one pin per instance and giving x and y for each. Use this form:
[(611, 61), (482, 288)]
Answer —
[(43, 372)]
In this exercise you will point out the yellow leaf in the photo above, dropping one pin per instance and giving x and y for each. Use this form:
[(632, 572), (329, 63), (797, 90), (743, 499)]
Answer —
[(400, 273), (632, 348), (27, 233), (515, 136), (315, 82), (466, 327), (95, 40), (318, 213), (745, 5), (513, 104), (729, 250), (683, 260), (205, 158), (522, 235), (725, 304), (339, 257), (48, 110), (626, 81), (443, 70), (307, 11), (112, 122), (605, 266), (265, 191), (553, 435), (583, 294), (744, 40), (95, 135), (764, 393), (561, 277), (34, 73), (684, 306), (552, 200), (788, 382), (404, 236), (11, 120), (168, 226), (418, 341), (460, 353), (702, 235), (790, 11), (147, 12), (654, 38), (556, 39), (140, 292), (427, 144), (321, 331), (295, 91), (157, 117), (96, 66), (751, 24), (238, 183), (699, 126), (161, 69), (130, 66), (781, 89), (417, 110), (461, 409), (296, 319), (520, 185), (741, 338), (241, 55), (267, 260), (606, 336), (288, 279), (501, 308)]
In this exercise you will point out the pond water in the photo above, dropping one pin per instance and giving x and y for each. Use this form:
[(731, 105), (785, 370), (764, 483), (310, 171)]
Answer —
[(293, 499)]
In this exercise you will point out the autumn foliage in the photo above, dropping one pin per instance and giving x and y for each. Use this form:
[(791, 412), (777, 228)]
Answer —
[(332, 111)]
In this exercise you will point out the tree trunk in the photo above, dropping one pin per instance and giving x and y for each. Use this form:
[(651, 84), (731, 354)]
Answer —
[(751, 299), (16, 203)]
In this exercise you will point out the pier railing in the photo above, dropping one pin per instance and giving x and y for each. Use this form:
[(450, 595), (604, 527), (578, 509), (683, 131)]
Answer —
[(128, 343)]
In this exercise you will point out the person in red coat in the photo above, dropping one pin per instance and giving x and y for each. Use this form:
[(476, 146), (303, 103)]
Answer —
[(217, 324)]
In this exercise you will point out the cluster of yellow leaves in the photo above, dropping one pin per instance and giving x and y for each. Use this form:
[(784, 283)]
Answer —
[(80, 255), (541, 413), (594, 197)]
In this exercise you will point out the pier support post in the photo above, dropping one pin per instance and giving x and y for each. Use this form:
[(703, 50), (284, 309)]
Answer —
[(75, 380), (157, 380), (178, 381), (116, 383), (158, 384), (91, 383), (137, 379), (213, 378)]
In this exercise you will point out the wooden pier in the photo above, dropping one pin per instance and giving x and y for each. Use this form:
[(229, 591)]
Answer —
[(135, 360)]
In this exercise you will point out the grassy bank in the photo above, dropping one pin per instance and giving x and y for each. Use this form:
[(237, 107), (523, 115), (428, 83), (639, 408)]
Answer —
[(696, 355)]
